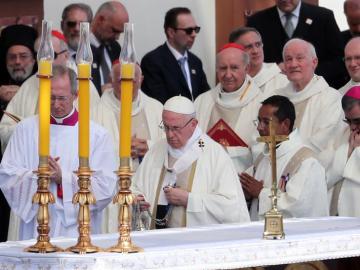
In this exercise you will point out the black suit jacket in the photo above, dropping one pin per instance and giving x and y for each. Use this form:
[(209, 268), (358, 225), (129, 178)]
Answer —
[(113, 50), (316, 25), (163, 78)]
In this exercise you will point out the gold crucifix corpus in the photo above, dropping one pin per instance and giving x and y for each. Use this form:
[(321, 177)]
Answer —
[(273, 218)]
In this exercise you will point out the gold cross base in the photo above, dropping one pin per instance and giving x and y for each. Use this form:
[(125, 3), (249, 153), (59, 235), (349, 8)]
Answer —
[(273, 229)]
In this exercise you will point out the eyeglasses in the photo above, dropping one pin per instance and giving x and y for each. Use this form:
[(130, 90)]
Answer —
[(189, 30), (350, 58), (355, 121), (59, 98), (257, 44), (56, 54), (72, 24), (22, 57), (174, 129)]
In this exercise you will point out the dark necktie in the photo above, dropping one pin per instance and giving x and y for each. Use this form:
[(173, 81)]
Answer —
[(103, 65)]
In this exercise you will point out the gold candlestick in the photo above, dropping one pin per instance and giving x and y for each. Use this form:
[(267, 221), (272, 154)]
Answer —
[(125, 199), (43, 197), (273, 228), (84, 198)]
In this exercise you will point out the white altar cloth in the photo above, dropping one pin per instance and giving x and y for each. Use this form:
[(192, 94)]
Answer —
[(212, 247)]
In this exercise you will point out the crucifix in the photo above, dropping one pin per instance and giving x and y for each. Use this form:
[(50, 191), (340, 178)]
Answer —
[(273, 218)]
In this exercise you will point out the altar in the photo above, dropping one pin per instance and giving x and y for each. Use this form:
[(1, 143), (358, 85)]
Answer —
[(213, 247)]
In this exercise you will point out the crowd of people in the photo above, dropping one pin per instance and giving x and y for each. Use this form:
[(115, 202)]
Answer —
[(194, 147)]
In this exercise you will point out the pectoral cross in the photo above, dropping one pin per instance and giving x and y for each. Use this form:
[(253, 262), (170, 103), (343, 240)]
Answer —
[(273, 218)]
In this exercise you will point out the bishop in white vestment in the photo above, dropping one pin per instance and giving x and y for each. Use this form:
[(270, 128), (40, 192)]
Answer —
[(317, 105), (146, 117), (344, 172), (21, 159), (188, 179), (300, 176), (235, 100)]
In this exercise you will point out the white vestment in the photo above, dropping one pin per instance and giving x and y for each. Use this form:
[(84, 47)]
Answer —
[(246, 104), (25, 104), (318, 114), (216, 195), (347, 86), (19, 182), (304, 192), (346, 170), (270, 78), (106, 113)]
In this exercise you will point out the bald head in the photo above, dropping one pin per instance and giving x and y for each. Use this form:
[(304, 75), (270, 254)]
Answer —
[(231, 68), (109, 21), (352, 12), (352, 58)]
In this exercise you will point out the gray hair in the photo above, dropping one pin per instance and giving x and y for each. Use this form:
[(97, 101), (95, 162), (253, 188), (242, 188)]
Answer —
[(61, 70), (81, 6), (309, 47)]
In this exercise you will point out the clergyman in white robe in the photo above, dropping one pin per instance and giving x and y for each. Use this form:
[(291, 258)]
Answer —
[(215, 196), (19, 183), (302, 192), (318, 114), (269, 79), (347, 86), (238, 109), (146, 117), (25, 104)]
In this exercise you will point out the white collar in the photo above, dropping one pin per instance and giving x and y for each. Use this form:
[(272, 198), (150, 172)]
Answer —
[(94, 41), (175, 52), (61, 120)]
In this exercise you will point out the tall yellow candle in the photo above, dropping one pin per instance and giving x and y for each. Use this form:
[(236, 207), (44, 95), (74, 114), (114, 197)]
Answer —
[(84, 72), (44, 106), (127, 75)]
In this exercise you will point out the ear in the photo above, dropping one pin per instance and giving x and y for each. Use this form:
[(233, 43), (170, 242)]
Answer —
[(315, 62), (170, 32), (286, 126)]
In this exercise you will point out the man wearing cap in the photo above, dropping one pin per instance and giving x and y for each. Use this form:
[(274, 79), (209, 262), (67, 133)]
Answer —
[(146, 117), (344, 172), (17, 60), (21, 158), (317, 105), (171, 69), (227, 111), (188, 179), (267, 76), (301, 177), (25, 102)]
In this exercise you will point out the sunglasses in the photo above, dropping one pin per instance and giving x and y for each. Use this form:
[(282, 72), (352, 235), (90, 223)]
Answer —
[(72, 24), (189, 30)]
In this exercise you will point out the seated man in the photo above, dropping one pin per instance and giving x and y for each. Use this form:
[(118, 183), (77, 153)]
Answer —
[(146, 116), (301, 178), (188, 179), (344, 172), (20, 160), (233, 104), (314, 100)]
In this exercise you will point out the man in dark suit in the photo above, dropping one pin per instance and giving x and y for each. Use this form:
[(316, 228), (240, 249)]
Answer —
[(171, 69), (293, 18), (106, 28), (352, 13)]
